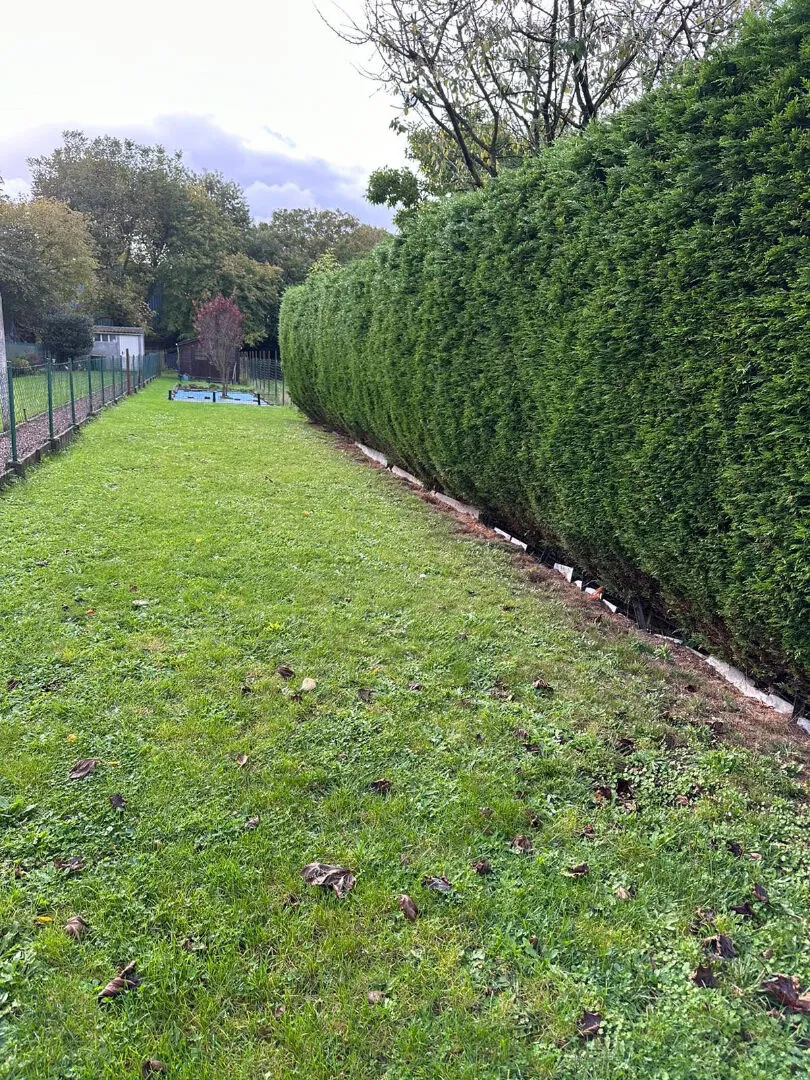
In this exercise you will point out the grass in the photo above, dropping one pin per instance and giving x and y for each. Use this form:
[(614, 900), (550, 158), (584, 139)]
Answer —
[(253, 543)]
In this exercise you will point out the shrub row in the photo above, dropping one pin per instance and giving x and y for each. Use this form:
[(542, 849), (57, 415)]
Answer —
[(609, 349)]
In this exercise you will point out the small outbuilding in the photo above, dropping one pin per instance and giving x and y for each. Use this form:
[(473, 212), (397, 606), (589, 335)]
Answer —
[(114, 341)]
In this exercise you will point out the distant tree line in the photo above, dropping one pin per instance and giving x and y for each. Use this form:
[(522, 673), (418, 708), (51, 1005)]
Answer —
[(128, 234)]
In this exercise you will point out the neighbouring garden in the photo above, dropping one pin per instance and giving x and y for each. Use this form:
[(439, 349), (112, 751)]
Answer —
[(254, 653)]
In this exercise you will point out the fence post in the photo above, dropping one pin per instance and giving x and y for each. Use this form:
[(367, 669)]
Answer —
[(49, 380), (72, 395), (89, 363), (102, 382), (129, 380), (11, 417)]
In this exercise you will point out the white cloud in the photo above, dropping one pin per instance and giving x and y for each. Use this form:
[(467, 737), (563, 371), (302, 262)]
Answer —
[(16, 188)]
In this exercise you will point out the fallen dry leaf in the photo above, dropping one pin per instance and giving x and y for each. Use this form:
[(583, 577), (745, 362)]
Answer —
[(152, 1066), (366, 694), (761, 894), (485, 811), (785, 990), (721, 945), (437, 884), (252, 823), (602, 793), (337, 878), (522, 845), (414, 686), (542, 687), (12, 684), (244, 689), (745, 910), (72, 865), (734, 848), (375, 997), (704, 976), (380, 787), (43, 920), (285, 672), (624, 789), (118, 802), (624, 894), (126, 980), (133, 588), (625, 746), (76, 927), (140, 603), (520, 733), (589, 1024), (308, 685), (408, 908), (482, 867), (83, 768), (190, 945), (242, 760), (580, 870)]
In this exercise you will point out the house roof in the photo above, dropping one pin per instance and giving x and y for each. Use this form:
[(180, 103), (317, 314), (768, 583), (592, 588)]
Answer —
[(135, 330)]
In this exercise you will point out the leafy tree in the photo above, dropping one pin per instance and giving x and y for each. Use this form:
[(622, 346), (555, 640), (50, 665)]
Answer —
[(324, 265), (356, 243), (256, 287), (483, 83), (219, 324), (295, 239), (46, 260), (398, 189), (132, 197), (66, 334)]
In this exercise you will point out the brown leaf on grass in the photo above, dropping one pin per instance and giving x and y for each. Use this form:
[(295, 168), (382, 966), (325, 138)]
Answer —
[(703, 920), (785, 990), (252, 823), (625, 746), (482, 867), (151, 1067), (12, 684), (533, 748), (734, 848), (501, 693), (42, 562), (375, 997), (520, 733), (408, 908), (126, 980), (437, 884), (72, 865), (761, 894), (522, 845), (602, 793), (140, 603), (285, 672), (588, 833), (337, 878), (485, 811), (414, 686), (624, 894), (76, 927), (190, 945), (242, 761), (365, 693), (291, 902), (542, 687), (380, 787), (721, 945), (308, 685), (589, 1024), (704, 976), (245, 690), (133, 588), (745, 910), (118, 802), (83, 768), (580, 870)]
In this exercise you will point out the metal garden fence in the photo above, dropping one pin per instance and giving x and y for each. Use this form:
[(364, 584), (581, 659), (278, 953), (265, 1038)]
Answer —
[(262, 371), (43, 402)]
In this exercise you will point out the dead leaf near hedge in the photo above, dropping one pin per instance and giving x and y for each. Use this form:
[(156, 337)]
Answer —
[(337, 878)]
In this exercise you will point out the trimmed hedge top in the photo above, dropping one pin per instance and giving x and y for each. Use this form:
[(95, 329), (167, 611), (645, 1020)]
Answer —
[(609, 349)]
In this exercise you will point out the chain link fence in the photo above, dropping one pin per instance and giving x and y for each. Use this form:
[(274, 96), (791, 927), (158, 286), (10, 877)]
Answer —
[(262, 371), (41, 400)]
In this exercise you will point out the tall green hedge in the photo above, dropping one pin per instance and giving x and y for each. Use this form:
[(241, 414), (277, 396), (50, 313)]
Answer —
[(609, 349)]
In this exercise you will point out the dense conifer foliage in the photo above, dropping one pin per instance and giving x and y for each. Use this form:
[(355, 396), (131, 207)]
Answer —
[(610, 347)]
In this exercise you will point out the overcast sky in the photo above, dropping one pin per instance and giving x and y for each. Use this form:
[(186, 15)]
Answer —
[(260, 89)]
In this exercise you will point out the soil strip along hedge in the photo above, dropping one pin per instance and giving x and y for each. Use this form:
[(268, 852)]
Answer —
[(608, 349)]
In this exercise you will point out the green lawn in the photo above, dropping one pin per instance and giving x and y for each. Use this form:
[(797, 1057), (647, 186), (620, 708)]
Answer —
[(253, 542)]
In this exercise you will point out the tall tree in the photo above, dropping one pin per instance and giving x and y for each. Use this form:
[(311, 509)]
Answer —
[(46, 260), (482, 83), (132, 197), (296, 239)]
